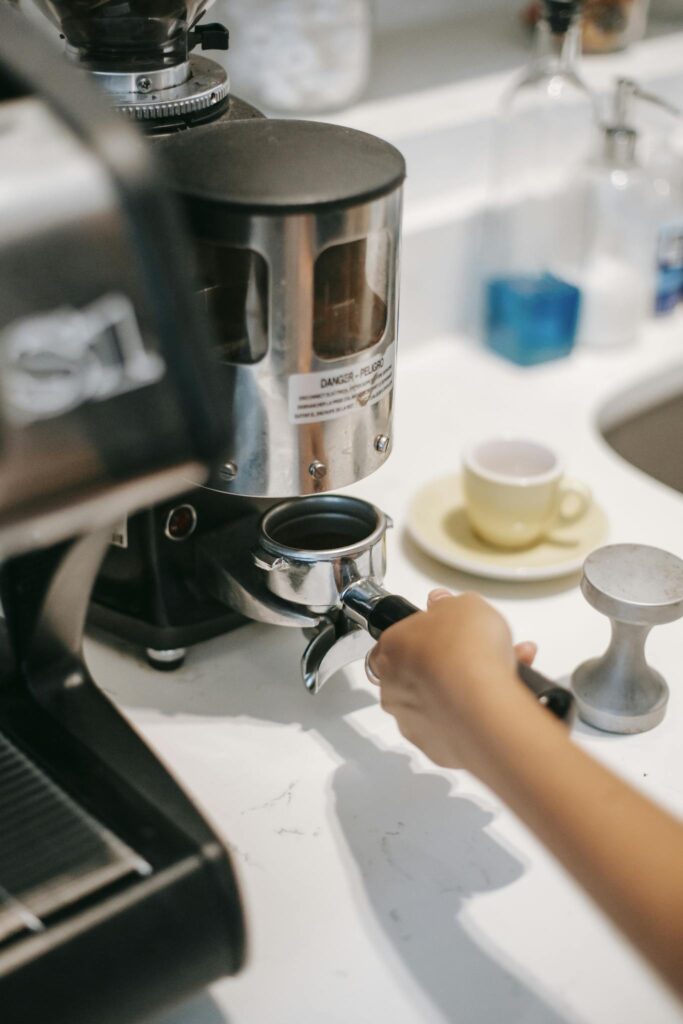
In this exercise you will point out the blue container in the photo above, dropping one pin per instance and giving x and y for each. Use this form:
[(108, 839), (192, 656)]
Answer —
[(669, 288), (531, 318)]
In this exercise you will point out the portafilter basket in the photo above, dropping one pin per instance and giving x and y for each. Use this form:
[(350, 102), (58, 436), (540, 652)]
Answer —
[(327, 554), (314, 549)]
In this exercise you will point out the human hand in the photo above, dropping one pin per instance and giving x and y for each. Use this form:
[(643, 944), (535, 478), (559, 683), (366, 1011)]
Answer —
[(448, 674)]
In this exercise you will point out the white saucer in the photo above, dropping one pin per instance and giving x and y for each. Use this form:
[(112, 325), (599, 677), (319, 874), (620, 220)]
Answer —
[(437, 522)]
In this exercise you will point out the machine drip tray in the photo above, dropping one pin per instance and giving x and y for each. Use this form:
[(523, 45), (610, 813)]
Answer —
[(53, 854)]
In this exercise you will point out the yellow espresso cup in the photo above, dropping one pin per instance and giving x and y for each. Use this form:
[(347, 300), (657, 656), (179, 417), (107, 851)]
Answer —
[(516, 492)]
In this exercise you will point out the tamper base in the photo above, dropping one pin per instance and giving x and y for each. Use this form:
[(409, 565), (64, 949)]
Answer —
[(637, 587), (619, 705)]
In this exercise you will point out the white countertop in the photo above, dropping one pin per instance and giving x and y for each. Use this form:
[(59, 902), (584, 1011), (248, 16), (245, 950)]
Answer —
[(378, 887)]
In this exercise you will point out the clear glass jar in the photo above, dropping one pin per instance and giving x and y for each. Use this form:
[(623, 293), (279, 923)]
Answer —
[(299, 56), (546, 130)]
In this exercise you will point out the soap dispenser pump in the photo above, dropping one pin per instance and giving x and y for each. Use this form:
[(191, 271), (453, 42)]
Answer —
[(628, 212), (666, 171)]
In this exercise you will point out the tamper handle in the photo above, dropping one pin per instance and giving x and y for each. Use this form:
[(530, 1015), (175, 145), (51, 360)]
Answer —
[(391, 609)]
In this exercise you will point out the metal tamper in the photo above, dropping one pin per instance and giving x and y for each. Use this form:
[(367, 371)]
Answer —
[(637, 587)]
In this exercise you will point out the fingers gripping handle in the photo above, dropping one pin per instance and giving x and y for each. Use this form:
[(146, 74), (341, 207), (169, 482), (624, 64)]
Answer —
[(391, 609), (388, 611), (556, 698)]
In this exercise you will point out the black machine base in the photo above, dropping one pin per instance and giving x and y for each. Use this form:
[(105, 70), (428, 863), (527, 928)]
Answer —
[(150, 592), (104, 862)]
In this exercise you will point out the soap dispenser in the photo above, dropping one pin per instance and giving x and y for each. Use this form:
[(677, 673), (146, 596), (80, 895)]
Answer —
[(630, 261), (666, 168), (545, 130)]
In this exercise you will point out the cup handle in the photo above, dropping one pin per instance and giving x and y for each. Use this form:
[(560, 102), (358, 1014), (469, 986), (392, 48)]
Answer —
[(575, 500)]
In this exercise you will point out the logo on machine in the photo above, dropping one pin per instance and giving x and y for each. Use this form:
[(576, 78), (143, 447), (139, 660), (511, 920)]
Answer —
[(55, 362)]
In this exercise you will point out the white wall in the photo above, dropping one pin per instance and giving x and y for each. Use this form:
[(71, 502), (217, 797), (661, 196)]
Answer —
[(408, 12)]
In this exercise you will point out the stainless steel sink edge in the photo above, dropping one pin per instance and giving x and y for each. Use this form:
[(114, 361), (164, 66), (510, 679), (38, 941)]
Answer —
[(644, 425)]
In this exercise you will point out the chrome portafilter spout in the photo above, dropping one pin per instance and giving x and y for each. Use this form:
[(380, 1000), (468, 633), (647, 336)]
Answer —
[(319, 563)]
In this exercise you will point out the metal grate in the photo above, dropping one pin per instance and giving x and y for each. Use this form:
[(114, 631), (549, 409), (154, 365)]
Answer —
[(52, 852)]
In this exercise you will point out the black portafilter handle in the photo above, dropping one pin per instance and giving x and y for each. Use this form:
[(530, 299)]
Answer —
[(385, 610)]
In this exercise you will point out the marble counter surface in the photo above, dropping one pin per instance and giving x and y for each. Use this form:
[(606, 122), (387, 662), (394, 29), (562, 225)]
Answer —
[(378, 887)]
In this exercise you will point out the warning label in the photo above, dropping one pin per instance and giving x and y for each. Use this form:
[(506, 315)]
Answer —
[(315, 397)]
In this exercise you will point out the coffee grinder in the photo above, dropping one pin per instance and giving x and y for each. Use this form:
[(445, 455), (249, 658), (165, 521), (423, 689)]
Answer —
[(296, 227)]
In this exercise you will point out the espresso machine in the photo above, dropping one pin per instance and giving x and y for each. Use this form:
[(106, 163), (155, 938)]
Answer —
[(116, 896)]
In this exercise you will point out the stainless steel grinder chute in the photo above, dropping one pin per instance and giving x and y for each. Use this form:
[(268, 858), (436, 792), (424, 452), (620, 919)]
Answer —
[(296, 227), (319, 563)]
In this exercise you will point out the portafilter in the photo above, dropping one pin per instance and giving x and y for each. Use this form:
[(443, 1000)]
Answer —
[(319, 563)]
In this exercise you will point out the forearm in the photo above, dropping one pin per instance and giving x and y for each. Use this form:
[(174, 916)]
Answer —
[(624, 850), (449, 678)]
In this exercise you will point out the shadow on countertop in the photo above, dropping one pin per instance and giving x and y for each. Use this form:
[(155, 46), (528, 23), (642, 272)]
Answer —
[(200, 1010), (422, 852), (419, 850)]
